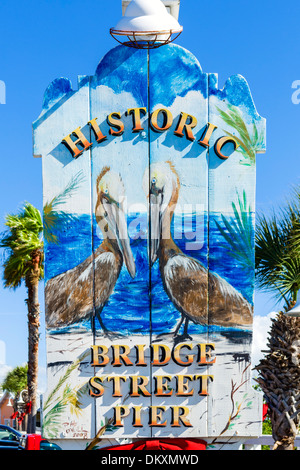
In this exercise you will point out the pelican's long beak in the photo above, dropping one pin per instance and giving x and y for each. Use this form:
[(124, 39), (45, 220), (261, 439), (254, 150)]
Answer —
[(117, 222), (155, 224)]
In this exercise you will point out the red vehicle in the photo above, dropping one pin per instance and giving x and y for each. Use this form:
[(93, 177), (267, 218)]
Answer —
[(36, 442)]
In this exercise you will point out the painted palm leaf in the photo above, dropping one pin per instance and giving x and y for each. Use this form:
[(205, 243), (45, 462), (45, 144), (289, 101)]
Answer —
[(249, 142), (54, 219), (238, 234), (68, 397), (63, 379), (51, 421)]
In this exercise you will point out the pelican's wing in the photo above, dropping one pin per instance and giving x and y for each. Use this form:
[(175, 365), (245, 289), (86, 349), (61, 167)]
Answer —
[(70, 295), (107, 270), (185, 281), (203, 296), (227, 306)]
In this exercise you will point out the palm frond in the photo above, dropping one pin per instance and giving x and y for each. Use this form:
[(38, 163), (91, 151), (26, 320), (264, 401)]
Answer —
[(238, 234), (51, 420), (277, 253), (64, 378), (69, 397), (245, 148), (20, 240), (71, 187), (54, 219), (52, 417), (249, 142)]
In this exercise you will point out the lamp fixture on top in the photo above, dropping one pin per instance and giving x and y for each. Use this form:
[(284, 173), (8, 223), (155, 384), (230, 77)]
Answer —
[(147, 24)]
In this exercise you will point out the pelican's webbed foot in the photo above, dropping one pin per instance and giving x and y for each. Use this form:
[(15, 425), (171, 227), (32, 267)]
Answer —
[(175, 336), (182, 338), (164, 337), (185, 336)]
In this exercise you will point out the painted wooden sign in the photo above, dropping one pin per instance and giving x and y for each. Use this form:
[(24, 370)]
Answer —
[(149, 203)]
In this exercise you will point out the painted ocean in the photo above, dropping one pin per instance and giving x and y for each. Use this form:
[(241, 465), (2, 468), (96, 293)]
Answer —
[(127, 310)]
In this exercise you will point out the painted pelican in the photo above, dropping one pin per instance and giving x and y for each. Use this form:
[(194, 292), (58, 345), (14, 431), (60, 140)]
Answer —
[(187, 282), (69, 295)]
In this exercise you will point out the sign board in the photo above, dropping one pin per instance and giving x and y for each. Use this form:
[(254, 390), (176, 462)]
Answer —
[(149, 203)]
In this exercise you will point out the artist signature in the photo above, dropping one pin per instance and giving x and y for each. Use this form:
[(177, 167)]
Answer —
[(73, 430)]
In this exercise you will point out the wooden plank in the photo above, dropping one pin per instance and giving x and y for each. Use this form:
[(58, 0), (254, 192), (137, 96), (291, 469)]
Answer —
[(235, 409), (118, 165), (178, 189), (68, 249)]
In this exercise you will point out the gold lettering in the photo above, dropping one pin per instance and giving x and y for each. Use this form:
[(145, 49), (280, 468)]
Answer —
[(166, 354), (140, 355), (72, 144), (96, 355), (99, 136), (137, 417), (220, 144), (204, 383), (205, 353), (117, 384), (138, 386), (180, 414), (118, 356), (184, 126), (156, 416), (207, 135), (136, 113), (120, 413), (162, 387), (94, 384), (183, 385), (177, 358), (115, 123), (167, 120)]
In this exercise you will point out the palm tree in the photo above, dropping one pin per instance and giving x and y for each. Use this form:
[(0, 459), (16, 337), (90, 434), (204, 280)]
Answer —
[(15, 382), (23, 245), (238, 233), (277, 253), (278, 271)]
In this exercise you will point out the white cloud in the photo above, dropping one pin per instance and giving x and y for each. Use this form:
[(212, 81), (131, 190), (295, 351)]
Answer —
[(2, 352), (4, 370), (261, 329)]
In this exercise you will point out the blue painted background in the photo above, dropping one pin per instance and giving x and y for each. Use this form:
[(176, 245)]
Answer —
[(127, 310)]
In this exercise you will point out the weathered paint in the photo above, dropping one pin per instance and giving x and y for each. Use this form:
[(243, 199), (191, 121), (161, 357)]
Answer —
[(175, 152)]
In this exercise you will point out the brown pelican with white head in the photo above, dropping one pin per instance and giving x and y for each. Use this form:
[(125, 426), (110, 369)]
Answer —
[(189, 285), (69, 295)]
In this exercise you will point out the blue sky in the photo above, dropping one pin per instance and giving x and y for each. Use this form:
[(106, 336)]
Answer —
[(42, 40)]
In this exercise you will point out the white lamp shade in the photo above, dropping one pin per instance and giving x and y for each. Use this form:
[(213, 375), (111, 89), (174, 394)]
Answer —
[(144, 16), (172, 6), (144, 7)]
